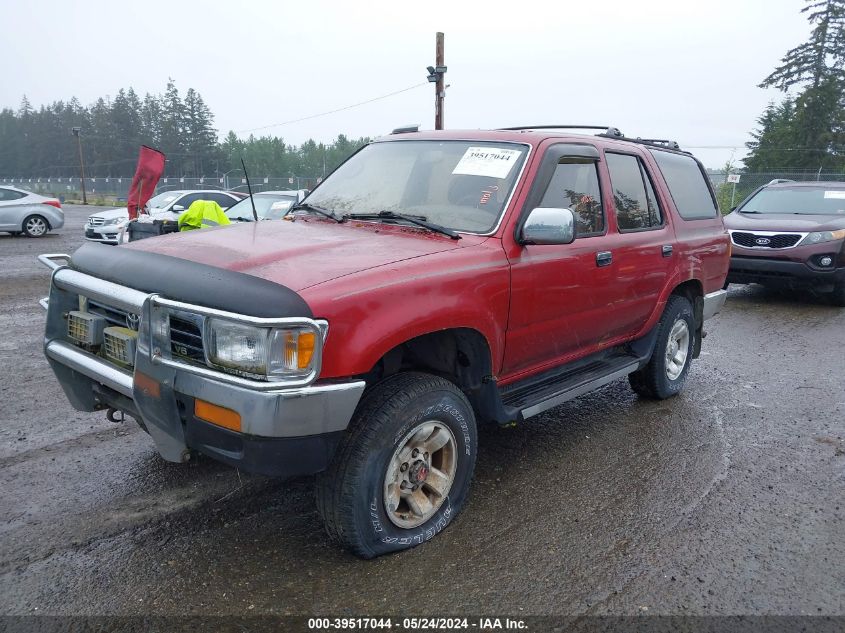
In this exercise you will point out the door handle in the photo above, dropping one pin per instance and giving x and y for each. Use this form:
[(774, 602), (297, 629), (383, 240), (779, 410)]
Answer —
[(603, 258), (667, 250)]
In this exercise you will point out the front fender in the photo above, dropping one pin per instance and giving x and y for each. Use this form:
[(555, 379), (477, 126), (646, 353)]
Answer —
[(372, 312)]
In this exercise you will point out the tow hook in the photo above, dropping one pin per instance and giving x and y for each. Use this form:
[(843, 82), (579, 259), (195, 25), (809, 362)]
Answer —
[(111, 415)]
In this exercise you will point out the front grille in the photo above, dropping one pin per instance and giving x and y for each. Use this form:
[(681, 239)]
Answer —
[(95, 221), (186, 337), (114, 316), (756, 240)]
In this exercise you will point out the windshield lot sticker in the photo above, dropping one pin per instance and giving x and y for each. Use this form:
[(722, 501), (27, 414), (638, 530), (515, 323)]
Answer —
[(838, 195), (487, 161)]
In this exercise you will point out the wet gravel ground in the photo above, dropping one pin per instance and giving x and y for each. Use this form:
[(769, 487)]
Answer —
[(725, 500)]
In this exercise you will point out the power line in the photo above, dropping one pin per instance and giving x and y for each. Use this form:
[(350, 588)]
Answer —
[(354, 105)]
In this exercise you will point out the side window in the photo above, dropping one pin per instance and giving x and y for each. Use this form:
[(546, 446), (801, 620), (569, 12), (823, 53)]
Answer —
[(220, 198), (188, 199), (686, 181), (575, 185), (633, 195), (8, 194)]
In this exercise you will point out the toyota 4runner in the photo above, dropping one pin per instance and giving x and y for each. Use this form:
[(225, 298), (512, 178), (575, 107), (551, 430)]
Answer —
[(435, 281)]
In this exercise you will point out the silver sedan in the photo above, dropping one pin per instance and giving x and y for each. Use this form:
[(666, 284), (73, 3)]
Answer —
[(25, 212)]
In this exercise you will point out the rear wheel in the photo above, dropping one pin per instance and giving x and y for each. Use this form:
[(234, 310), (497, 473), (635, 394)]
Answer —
[(35, 226), (404, 468), (666, 372)]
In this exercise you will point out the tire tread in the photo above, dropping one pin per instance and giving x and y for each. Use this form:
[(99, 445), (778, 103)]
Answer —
[(335, 503)]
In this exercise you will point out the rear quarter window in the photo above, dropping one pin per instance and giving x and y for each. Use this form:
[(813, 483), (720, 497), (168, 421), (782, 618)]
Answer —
[(687, 185)]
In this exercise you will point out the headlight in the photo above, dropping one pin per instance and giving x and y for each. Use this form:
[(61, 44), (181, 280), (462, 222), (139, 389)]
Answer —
[(271, 353), (823, 236), (113, 221)]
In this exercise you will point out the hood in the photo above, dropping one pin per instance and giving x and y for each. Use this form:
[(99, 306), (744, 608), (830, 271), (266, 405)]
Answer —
[(783, 222), (303, 253), (111, 213)]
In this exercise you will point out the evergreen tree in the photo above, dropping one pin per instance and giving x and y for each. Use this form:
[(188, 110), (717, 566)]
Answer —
[(807, 131), (821, 57)]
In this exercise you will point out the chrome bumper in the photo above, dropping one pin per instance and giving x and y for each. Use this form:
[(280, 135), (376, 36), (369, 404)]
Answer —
[(713, 303), (162, 393)]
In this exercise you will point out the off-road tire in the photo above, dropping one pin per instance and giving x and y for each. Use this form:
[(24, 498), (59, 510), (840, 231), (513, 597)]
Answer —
[(35, 226), (653, 381), (351, 493)]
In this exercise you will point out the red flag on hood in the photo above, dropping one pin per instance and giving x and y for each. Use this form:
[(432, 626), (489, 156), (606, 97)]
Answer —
[(149, 170)]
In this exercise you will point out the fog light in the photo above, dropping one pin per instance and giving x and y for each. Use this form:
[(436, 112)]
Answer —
[(826, 260), (85, 328), (119, 344)]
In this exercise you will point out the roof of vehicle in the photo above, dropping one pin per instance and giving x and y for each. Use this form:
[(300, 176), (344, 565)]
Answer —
[(281, 192), (537, 134), (183, 191), (808, 184)]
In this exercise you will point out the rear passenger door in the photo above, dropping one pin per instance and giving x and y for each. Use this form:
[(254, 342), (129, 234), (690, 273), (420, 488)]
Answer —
[(643, 250)]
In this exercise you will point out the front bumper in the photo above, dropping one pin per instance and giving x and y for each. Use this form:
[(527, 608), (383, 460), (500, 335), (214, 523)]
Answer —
[(285, 431), (748, 270), (103, 234)]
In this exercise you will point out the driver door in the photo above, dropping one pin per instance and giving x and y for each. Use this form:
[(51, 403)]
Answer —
[(561, 294)]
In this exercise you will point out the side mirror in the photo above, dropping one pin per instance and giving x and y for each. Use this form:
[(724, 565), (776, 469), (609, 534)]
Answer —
[(177, 207), (546, 225)]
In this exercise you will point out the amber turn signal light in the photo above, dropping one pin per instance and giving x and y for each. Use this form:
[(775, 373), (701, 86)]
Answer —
[(221, 416)]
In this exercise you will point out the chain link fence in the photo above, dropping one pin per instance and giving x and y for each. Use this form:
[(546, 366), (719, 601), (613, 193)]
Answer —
[(731, 187), (113, 190)]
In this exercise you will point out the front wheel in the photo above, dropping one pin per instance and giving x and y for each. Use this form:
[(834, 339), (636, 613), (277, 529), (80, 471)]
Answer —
[(666, 372), (403, 470)]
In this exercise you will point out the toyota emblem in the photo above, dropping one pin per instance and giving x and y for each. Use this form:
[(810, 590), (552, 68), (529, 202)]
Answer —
[(132, 321), (763, 241)]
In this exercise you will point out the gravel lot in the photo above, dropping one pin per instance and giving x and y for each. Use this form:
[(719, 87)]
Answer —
[(726, 500)]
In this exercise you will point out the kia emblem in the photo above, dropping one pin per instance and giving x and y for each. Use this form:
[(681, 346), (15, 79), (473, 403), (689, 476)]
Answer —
[(763, 241)]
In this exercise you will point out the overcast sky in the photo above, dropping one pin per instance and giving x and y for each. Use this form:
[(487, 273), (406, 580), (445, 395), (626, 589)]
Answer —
[(654, 68)]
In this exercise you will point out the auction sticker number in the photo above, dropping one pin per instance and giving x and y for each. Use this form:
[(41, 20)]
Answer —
[(494, 162)]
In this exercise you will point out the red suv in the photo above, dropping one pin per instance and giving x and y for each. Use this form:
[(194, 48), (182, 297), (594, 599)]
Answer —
[(435, 281)]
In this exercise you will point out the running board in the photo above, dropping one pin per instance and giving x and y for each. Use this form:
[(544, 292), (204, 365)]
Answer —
[(532, 399)]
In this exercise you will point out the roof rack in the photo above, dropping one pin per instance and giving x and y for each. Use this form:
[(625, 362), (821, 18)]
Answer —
[(660, 143), (663, 142), (609, 130)]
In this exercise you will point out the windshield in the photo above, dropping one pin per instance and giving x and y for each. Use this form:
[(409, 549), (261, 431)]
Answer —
[(797, 200), (162, 200), (268, 206), (461, 185)]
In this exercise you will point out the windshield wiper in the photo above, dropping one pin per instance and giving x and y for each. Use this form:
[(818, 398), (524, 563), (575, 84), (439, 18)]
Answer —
[(307, 206), (240, 219), (419, 220)]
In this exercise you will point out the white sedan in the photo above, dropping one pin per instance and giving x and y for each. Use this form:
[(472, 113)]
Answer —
[(25, 212), (107, 226)]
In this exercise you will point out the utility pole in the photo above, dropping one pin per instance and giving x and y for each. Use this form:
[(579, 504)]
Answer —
[(435, 76), (76, 132)]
